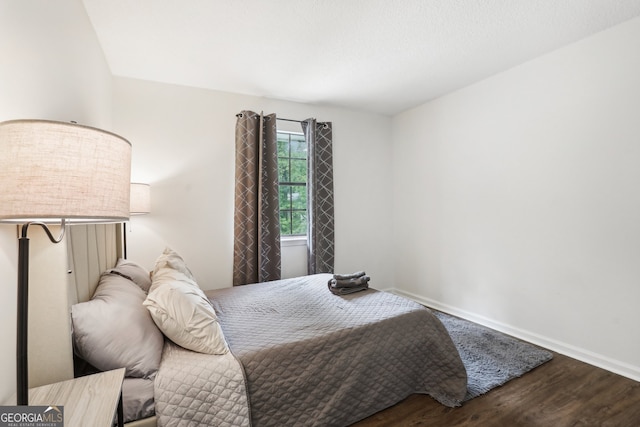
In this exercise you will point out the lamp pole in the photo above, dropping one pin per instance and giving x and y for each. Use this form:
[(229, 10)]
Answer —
[(22, 360), (22, 367)]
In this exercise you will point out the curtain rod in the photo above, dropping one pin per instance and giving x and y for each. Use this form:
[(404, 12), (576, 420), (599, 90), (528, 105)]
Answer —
[(324, 124), (239, 115), (289, 120)]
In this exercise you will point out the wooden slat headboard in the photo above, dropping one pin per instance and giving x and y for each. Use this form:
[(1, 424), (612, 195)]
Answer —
[(92, 249)]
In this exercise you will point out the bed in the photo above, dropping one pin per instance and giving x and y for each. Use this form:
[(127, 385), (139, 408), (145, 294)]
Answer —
[(297, 354)]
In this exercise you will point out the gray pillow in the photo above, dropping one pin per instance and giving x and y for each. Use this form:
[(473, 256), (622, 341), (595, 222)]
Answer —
[(138, 274), (114, 330)]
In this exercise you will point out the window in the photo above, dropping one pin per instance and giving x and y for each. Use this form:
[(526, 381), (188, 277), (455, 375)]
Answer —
[(292, 177)]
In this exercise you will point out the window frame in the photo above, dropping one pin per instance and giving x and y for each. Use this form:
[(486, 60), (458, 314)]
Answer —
[(292, 239)]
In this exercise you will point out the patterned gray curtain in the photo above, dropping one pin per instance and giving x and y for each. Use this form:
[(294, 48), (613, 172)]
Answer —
[(256, 248), (320, 231)]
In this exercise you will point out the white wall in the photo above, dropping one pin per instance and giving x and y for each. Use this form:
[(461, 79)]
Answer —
[(517, 204), (183, 145), (51, 67)]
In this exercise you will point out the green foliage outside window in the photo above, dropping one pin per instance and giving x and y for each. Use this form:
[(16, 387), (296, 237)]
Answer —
[(292, 175)]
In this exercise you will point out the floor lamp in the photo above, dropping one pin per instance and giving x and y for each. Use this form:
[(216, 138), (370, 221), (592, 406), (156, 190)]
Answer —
[(57, 173), (140, 205)]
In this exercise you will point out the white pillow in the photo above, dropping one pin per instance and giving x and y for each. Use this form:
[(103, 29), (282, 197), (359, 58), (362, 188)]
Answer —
[(183, 313), (171, 259)]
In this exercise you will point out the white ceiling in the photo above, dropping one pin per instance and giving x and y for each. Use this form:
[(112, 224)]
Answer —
[(381, 56)]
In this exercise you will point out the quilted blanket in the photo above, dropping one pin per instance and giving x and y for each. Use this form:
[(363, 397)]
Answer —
[(195, 389), (316, 359)]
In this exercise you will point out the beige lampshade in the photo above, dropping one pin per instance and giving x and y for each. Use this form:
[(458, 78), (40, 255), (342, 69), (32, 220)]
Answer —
[(54, 170), (140, 199)]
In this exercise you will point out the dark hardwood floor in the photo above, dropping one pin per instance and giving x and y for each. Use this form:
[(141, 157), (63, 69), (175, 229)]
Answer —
[(561, 392)]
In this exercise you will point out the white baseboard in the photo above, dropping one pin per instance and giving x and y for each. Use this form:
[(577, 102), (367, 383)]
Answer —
[(595, 359)]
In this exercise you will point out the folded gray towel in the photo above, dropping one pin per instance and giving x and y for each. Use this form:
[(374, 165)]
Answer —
[(349, 276), (349, 283), (346, 291), (343, 284)]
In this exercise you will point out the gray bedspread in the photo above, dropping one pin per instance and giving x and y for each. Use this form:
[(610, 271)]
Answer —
[(316, 359)]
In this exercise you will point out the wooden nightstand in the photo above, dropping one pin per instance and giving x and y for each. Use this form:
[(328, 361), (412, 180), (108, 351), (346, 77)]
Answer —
[(88, 401)]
